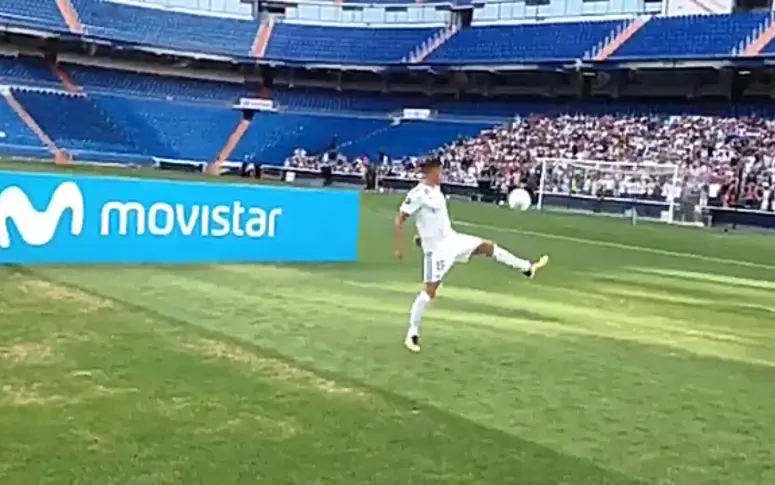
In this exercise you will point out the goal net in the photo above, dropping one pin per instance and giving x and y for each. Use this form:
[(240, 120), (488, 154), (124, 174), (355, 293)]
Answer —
[(654, 191)]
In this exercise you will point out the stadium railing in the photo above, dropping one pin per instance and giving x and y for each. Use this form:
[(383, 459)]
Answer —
[(652, 209)]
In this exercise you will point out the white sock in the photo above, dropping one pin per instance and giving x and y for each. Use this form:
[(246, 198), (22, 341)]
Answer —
[(415, 317), (504, 257)]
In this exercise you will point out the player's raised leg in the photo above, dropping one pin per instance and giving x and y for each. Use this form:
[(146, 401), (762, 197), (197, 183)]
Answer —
[(501, 255)]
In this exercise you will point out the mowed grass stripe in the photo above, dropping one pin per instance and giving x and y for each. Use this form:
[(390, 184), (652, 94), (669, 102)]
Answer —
[(204, 409), (519, 375)]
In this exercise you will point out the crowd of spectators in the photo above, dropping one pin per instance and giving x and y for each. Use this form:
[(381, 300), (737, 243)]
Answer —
[(729, 159)]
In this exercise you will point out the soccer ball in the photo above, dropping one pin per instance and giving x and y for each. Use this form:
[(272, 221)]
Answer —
[(519, 199)]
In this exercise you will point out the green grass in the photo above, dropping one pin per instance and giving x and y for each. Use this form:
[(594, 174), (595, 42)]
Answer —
[(642, 355)]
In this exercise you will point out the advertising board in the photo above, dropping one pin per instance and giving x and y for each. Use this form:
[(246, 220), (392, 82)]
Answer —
[(58, 219)]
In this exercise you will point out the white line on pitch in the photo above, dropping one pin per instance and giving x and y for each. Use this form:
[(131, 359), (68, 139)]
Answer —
[(608, 244)]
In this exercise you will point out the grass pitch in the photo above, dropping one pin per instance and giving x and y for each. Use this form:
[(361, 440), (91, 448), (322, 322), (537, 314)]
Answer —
[(641, 355)]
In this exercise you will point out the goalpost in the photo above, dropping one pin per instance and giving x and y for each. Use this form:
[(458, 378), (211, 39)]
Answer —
[(638, 190)]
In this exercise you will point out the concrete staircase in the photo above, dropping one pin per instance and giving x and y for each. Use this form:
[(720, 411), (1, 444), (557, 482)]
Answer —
[(263, 35), (756, 41), (231, 143), (64, 76), (60, 157), (616, 39), (70, 16), (422, 51)]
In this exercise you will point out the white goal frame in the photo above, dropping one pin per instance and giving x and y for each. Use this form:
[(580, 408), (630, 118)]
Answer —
[(673, 170)]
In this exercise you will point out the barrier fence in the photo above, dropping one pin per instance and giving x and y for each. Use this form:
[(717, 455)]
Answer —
[(652, 209)]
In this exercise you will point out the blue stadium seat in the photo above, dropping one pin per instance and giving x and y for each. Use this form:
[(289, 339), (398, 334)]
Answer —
[(150, 85), (166, 28), (478, 106), (27, 71), (524, 42), (32, 13), (189, 131), (75, 123), (412, 138), (328, 100), (272, 137), (690, 36), (663, 107), (15, 137), (122, 109), (344, 44)]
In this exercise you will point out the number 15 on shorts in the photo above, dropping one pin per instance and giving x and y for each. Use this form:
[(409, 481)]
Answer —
[(434, 268)]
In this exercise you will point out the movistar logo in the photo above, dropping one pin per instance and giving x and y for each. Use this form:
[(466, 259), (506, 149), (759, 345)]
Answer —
[(114, 218), (35, 227)]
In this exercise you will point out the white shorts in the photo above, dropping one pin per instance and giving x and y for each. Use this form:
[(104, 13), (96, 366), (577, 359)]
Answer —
[(456, 248)]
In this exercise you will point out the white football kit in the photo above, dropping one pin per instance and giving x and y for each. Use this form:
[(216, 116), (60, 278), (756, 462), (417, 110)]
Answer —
[(442, 246)]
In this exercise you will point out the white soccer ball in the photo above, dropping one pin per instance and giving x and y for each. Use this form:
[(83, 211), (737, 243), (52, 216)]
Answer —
[(519, 199)]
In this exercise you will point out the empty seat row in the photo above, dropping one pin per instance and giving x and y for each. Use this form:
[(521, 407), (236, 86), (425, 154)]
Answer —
[(526, 42), (75, 122), (167, 28), (32, 13), (16, 139), (671, 37), (489, 44), (691, 36), (411, 138), (155, 85), (660, 37), (111, 124), (272, 137), (27, 70), (174, 129), (34, 71), (344, 44)]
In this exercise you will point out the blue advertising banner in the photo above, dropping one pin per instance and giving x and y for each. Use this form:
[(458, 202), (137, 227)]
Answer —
[(56, 219)]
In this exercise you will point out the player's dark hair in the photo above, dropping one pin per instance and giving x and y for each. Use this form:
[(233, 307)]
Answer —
[(430, 164)]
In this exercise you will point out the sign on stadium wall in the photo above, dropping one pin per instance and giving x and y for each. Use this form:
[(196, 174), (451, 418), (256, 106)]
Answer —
[(51, 219), (253, 104), (416, 114)]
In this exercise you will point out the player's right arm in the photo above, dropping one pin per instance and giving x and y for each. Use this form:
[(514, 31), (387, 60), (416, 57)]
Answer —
[(409, 207)]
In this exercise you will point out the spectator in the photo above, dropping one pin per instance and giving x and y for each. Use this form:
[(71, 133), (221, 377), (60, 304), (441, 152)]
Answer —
[(734, 158)]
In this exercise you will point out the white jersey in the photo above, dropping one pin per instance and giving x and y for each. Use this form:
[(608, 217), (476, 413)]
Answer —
[(429, 206)]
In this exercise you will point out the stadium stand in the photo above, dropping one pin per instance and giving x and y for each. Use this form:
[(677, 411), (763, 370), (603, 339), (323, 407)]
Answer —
[(343, 44), (411, 138), (165, 28), (100, 79), (762, 42), (29, 70), (16, 138), (528, 42), (691, 35), (310, 99), (274, 136), (183, 130), (94, 132), (36, 14)]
